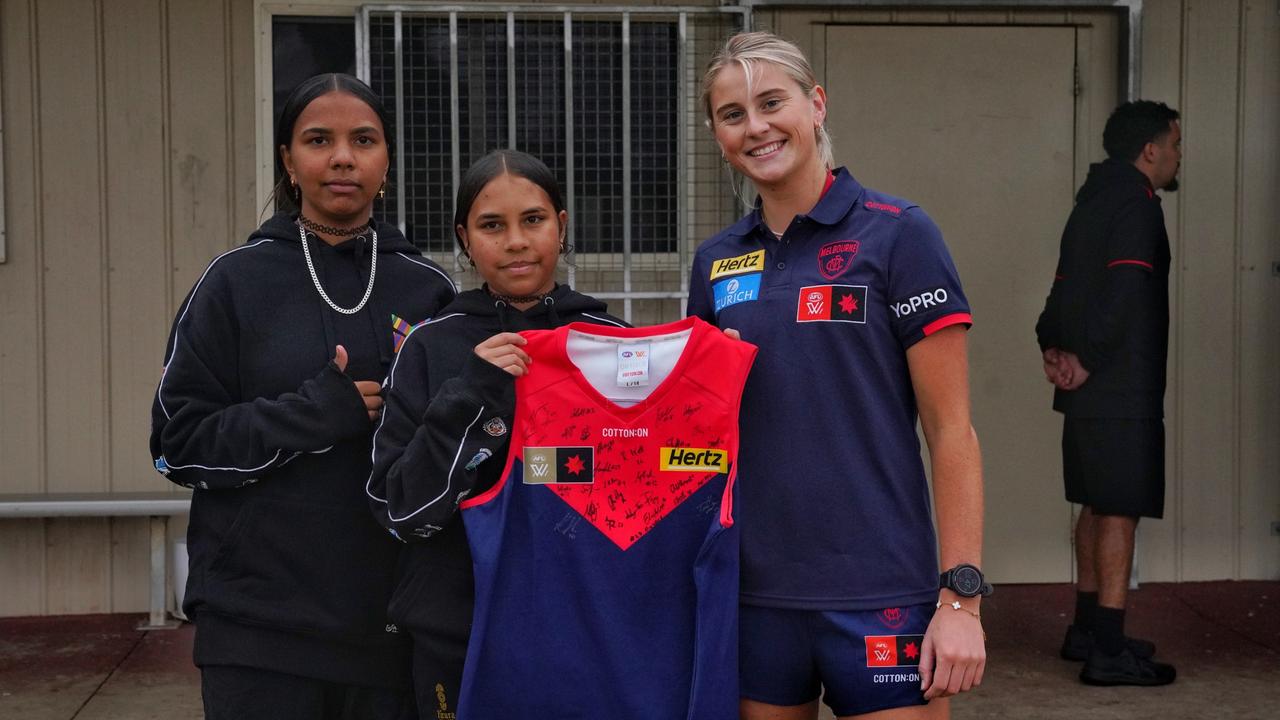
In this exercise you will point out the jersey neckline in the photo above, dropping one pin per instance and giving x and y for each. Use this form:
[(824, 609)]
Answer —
[(697, 330)]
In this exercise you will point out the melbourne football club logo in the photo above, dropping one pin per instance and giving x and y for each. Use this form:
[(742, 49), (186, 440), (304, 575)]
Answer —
[(835, 258), (893, 618)]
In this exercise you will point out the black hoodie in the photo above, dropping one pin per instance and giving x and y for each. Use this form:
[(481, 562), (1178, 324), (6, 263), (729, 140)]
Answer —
[(443, 436), (288, 571), (1109, 303)]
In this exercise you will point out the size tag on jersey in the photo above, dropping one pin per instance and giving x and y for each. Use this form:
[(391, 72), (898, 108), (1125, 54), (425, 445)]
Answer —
[(633, 365)]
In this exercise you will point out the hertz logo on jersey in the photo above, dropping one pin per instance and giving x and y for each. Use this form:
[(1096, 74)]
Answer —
[(696, 459), (751, 262)]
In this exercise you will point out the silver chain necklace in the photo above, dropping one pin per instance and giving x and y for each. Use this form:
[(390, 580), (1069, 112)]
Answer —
[(315, 279)]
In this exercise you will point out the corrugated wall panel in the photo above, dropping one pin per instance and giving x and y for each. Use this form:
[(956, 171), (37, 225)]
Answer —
[(1259, 154), (21, 372), (1158, 540), (70, 129), (198, 117), (136, 269), (1207, 255)]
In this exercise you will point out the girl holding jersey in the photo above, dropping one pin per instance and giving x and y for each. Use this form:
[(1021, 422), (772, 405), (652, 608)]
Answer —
[(450, 400)]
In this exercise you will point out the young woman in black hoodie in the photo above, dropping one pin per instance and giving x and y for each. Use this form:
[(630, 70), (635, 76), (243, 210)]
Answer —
[(450, 400), (266, 409)]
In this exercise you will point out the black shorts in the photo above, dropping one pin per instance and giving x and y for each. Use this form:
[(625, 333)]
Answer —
[(1115, 465)]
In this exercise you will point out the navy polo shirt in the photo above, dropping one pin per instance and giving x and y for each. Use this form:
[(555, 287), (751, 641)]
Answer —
[(834, 507)]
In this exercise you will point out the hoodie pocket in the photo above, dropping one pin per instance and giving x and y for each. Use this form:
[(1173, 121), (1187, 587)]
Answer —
[(303, 567)]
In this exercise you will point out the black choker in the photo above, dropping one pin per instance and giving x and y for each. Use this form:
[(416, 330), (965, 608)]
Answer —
[(328, 230), (514, 300)]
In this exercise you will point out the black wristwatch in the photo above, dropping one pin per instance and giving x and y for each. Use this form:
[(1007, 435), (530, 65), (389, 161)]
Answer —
[(965, 580)]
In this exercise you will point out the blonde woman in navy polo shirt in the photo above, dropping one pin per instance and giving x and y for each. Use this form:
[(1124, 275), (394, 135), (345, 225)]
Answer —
[(861, 322)]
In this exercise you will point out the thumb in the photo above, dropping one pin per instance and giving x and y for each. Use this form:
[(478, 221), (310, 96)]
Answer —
[(340, 358)]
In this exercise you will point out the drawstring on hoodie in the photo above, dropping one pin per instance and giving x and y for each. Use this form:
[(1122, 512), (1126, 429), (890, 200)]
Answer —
[(501, 306), (550, 303)]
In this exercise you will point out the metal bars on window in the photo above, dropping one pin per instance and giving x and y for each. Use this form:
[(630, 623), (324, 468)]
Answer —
[(605, 96)]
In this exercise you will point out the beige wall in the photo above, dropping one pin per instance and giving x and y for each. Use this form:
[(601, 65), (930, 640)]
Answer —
[(130, 159)]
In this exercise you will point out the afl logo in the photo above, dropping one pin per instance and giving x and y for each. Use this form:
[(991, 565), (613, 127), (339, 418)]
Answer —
[(835, 258), (893, 618), (496, 427)]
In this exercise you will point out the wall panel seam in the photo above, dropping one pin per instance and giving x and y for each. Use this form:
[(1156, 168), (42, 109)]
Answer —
[(1179, 475), (166, 164), (1237, 331), (37, 222), (230, 100), (104, 237), (104, 276)]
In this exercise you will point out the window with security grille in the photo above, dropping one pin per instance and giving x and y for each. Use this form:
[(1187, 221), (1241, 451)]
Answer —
[(606, 98)]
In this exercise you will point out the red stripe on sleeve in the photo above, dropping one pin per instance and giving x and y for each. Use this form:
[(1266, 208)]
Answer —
[(1141, 263), (947, 321)]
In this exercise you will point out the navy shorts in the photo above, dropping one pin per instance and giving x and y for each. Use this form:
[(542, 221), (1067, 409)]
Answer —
[(859, 661), (1115, 465)]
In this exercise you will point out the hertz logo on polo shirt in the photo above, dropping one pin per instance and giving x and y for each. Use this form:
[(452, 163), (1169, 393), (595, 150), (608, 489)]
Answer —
[(699, 459), (751, 262)]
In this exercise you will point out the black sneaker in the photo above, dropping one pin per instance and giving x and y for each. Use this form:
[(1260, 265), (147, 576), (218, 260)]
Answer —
[(1125, 669), (1077, 644)]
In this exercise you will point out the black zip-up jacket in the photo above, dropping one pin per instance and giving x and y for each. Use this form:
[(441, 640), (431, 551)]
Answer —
[(444, 435), (288, 571), (1109, 303)]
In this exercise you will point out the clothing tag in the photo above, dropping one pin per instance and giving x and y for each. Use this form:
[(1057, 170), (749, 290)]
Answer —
[(633, 365)]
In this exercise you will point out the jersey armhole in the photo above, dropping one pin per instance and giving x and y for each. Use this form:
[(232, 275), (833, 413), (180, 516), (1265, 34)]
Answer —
[(726, 502), (493, 492)]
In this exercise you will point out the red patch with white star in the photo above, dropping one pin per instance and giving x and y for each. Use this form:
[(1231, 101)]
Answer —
[(832, 303), (893, 650), (558, 465)]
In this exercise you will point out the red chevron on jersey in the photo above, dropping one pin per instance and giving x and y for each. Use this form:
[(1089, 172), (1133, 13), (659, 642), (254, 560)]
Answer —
[(642, 470)]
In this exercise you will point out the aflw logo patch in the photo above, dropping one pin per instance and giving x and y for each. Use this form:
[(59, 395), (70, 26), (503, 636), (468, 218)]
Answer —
[(559, 465), (696, 459), (893, 650), (832, 303)]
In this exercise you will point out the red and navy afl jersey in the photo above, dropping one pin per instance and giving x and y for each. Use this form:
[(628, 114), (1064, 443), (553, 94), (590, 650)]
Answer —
[(606, 559), (835, 510)]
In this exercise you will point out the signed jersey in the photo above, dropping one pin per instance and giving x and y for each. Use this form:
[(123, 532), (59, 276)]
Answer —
[(606, 559)]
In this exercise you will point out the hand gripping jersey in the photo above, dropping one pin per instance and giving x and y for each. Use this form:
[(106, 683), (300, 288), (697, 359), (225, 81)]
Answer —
[(606, 558)]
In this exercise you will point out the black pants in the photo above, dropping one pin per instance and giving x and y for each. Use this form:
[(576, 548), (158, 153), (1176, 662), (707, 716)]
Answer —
[(437, 674), (242, 693)]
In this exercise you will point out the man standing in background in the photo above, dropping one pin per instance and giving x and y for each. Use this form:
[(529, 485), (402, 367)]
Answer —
[(1104, 335)]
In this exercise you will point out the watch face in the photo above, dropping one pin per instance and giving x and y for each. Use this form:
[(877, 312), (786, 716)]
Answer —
[(967, 581)]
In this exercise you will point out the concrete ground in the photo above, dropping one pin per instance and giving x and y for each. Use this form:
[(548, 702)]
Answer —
[(1224, 637)]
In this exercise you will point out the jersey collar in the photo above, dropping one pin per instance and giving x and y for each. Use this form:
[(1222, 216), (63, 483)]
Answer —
[(832, 207)]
